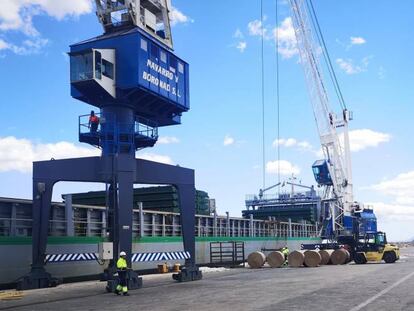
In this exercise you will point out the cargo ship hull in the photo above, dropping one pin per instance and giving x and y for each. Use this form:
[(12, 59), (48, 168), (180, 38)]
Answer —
[(21, 249)]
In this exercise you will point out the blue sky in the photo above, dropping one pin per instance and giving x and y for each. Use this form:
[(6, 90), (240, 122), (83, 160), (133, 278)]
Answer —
[(370, 43)]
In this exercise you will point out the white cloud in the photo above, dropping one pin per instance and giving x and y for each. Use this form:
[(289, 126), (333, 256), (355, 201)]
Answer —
[(28, 47), (395, 219), (18, 14), (285, 34), (359, 139), (365, 61), (401, 188), (256, 29), (350, 68), (393, 212), (61, 9), (364, 138), (398, 213), (382, 73), (241, 46), (352, 42), (238, 34), (304, 145), (300, 145), (156, 158), (286, 142), (285, 167), (357, 40), (18, 154), (3, 45), (168, 140), (228, 140), (178, 17)]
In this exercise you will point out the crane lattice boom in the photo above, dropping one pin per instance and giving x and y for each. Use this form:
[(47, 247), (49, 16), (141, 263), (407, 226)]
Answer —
[(336, 152)]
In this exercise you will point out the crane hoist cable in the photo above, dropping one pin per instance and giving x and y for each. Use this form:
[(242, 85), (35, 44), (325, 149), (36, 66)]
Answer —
[(321, 40), (263, 94), (277, 91)]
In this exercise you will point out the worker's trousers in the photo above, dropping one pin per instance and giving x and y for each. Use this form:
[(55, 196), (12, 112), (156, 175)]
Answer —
[(123, 283), (94, 127)]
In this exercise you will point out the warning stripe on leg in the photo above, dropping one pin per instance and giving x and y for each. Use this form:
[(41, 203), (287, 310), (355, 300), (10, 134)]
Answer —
[(160, 256), (58, 258)]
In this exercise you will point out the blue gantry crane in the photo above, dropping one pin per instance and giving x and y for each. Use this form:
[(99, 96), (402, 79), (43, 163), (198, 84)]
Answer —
[(132, 76)]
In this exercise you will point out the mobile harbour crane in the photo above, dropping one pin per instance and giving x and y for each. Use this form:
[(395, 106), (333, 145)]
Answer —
[(347, 222)]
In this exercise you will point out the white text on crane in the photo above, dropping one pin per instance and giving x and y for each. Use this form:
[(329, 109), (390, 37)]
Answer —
[(159, 83)]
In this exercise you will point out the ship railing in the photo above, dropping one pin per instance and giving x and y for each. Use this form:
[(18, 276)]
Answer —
[(90, 229), (156, 230), (285, 196), (239, 228), (15, 226), (85, 220)]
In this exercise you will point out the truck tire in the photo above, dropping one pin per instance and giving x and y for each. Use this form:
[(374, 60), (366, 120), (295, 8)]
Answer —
[(359, 258), (389, 257)]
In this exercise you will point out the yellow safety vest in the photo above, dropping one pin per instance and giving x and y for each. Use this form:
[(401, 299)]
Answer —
[(121, 263)]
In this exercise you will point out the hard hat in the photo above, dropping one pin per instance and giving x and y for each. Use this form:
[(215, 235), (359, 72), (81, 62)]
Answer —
[(122, 253)]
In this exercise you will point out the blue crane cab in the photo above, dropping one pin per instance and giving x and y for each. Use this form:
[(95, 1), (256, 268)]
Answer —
[(321, 172), (127, 69), (130, 69)]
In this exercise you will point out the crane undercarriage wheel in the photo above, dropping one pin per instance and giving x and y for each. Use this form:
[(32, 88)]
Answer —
[(359, 258), (389, 257)]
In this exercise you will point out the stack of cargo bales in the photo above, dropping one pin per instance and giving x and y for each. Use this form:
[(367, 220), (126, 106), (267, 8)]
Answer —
[(163, 198), (202, 203)]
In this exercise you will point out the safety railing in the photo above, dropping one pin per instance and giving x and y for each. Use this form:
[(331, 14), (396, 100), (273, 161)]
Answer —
[(114, 137), (91, 132), (146, 128), (252, 199)]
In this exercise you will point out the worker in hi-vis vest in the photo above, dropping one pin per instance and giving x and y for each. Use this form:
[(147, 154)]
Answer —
[(122, 267), (285, 252)]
